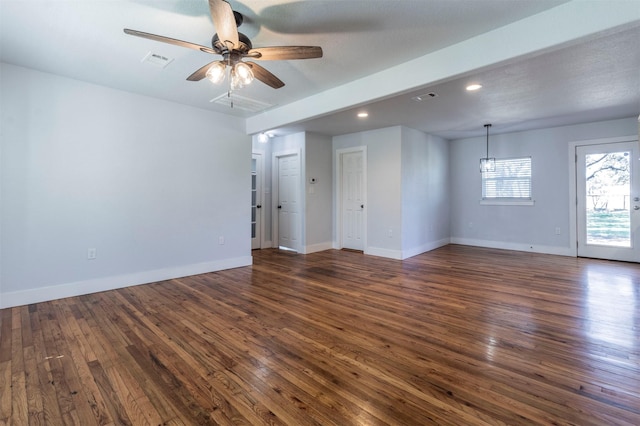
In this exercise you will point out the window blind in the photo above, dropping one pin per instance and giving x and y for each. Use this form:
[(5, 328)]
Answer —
[(510, 180)]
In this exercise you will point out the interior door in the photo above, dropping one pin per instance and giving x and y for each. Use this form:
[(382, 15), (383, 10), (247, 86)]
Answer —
[(352, 190), (256, 201), (288, 202), (608, 201)]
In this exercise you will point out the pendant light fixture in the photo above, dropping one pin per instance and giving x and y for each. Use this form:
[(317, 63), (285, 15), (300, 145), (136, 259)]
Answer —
[(487, 164)]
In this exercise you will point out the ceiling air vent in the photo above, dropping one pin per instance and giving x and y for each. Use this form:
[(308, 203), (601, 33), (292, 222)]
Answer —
[(157, 60), (425, 96), (240, 102)]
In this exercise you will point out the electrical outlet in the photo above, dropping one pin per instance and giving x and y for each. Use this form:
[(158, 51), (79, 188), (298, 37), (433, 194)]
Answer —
[(390, 232), (558, 231), (221, 240), (92, 253)]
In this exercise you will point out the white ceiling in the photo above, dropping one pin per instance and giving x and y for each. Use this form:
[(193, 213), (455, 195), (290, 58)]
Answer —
[(593, 77)]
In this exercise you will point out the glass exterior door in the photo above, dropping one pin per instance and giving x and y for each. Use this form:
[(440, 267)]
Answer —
[(608, 201)]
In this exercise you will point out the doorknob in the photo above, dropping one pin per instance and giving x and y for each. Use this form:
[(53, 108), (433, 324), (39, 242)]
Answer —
[(362, 206), (258, 206), (636, 207), (279, 207)]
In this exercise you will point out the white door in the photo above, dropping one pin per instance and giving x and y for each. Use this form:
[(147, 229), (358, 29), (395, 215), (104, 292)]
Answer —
[(608, 201), (289, 202), (352, 190), (256, 201)]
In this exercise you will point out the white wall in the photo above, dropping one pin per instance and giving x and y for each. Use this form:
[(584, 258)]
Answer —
[(150, 184), (315, 161), (153, 185), (407, 190), (529, 228), (319, 206), (425, 192), (384, 190)]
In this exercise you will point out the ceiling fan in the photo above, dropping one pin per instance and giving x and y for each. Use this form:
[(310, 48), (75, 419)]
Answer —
[(234, 47)]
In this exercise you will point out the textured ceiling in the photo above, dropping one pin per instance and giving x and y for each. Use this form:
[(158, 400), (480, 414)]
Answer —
[(592, 81), (84, 40)]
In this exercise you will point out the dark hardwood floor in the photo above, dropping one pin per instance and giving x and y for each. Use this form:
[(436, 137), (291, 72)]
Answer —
[(456, 336)]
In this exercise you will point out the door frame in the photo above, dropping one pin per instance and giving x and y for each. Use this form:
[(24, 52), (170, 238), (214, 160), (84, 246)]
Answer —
[(573, 182), (275, 184), (338, 191)]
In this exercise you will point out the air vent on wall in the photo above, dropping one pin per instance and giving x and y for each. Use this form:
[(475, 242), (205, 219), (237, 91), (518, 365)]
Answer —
[(157, 60), (240, 102)]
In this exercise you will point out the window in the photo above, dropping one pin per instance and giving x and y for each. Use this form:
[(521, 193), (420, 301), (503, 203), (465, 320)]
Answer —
[(510, 183)]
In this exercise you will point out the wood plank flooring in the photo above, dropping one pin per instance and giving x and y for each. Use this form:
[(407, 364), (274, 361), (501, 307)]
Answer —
[(456, 336)]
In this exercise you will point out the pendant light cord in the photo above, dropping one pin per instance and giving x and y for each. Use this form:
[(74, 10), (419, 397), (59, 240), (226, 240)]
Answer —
[(487, 126)]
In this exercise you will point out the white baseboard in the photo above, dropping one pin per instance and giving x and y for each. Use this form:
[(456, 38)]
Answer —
[(425, 248), (405, 254), (381, 252), (532, 248), (317, 247), (78, 288)]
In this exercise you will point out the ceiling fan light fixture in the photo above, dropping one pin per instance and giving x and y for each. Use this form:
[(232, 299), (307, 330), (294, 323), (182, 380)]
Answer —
[(234, 46), (243, 73), (216, 72), (234, 81)]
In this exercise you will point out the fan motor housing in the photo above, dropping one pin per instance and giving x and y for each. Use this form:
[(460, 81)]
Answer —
[(220, 47)]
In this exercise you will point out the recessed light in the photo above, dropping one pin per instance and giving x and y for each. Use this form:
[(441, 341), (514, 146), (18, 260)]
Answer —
[(363, 114), (473, 87)]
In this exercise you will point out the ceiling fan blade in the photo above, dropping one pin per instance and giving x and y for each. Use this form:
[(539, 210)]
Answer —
[(169, 40), (285, 53), (200, 73), (225, 23), (265, 76)]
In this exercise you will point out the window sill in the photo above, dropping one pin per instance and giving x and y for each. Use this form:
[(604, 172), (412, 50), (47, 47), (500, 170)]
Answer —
[(498, 202)]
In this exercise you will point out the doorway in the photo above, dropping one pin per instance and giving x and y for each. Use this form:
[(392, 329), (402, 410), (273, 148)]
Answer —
[(351, 187), (287, 223), (256, 201), (608, 201)]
